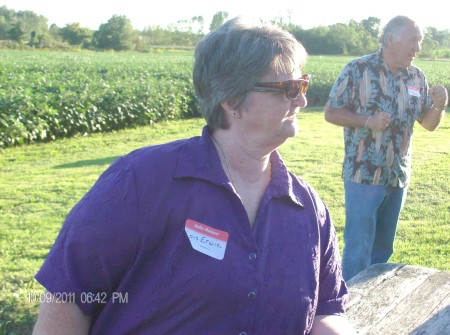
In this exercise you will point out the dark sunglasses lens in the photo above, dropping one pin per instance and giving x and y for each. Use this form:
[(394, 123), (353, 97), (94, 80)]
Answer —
[(293, 89)]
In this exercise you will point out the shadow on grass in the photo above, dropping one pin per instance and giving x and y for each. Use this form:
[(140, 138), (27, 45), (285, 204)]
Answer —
[(90, 162)]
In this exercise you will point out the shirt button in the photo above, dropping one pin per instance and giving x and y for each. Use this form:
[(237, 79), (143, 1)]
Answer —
[(242, 333), (251, 295), (252, 256)]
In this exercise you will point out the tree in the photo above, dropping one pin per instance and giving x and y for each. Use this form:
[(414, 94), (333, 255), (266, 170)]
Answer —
[(429, 47), (155, 35), (27, 27), (442, 37), (74, 34), (197, 25), (17, 33), (362, 37), (33, 41), (116, 34), (314, 40), (31, 21), (372, 26), (54, 32), (6, 20), (4, 28), (338, 39), (21, 26), (284, 21), (217, 20)]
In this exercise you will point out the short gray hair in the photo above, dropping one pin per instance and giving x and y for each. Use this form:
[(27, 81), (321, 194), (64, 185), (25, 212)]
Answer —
[(394, 28), (230, 60)]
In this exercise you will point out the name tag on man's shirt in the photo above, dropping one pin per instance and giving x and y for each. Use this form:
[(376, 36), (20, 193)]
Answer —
[(414, 91), (205, 239)]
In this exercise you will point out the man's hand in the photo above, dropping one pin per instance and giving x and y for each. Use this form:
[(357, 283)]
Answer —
[(379, 121), (439, 96)]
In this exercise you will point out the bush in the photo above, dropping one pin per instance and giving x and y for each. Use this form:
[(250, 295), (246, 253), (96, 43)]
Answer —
[(45, 96)]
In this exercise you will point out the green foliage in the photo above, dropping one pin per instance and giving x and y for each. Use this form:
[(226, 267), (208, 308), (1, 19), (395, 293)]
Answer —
[(443, 53), (19, 30), (429, 47), (372, 26), (117, 34), (441, 37), (74, 34), (338, 39), (16, 33), (45, 96), (218, 19), (159, 37), (22, 26)]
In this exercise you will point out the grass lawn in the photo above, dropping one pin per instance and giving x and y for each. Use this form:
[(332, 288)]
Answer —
[(40, 183)]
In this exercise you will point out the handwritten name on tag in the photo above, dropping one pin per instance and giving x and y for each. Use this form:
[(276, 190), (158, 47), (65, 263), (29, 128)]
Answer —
[(414, 91), (207, 240)]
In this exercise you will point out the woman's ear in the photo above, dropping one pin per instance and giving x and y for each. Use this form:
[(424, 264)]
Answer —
[(227, 107)]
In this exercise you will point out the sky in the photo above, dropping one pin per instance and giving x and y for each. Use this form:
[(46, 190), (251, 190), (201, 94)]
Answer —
[(307, 14)]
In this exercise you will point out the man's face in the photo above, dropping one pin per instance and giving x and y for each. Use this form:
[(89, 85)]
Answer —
[(405, 49)]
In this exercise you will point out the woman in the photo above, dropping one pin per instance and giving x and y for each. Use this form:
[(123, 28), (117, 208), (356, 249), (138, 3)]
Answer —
[(209, 235)]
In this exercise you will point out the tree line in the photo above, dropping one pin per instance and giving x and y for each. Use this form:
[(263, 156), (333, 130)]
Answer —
[(28, 30)]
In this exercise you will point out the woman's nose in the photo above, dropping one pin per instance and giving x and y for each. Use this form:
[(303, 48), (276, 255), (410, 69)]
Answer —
[(300, 101)]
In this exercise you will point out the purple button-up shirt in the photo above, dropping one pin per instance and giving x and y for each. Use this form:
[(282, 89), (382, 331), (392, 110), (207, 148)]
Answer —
[(124, 251)]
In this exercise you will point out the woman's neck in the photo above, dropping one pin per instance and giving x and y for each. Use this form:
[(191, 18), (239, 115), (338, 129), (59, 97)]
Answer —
[(242, 157), (247, 168)]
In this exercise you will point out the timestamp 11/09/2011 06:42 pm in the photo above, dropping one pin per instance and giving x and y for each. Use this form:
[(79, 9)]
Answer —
[(70, 297)]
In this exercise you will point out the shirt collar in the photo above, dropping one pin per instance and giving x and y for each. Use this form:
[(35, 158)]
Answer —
[(281, 184), (200, 159), (382, 65)]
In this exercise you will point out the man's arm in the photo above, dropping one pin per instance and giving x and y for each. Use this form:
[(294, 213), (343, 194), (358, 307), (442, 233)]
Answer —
[(62, 319), (433, 117), (331, 325), (345, 118)]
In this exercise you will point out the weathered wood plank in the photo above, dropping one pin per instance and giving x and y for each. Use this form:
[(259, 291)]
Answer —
[(382, 298), (366, 281), (416, 307), (439, 321), (374, 273)]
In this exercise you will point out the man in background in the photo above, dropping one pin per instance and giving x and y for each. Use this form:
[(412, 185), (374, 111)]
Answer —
[(377, 99)]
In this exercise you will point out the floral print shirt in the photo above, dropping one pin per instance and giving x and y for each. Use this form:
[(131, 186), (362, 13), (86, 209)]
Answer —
[(366, 86)]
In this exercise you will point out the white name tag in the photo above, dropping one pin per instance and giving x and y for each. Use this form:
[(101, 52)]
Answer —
[(205, 239), (414, 91)]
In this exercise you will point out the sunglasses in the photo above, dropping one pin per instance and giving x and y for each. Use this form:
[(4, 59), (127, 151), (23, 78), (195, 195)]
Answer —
[(291, 88)]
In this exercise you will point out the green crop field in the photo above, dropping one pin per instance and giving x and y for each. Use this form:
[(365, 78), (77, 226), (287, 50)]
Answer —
[(49, 95), (41, 182)]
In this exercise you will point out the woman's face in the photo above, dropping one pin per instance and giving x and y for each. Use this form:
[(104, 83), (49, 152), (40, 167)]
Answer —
[(270, 117)]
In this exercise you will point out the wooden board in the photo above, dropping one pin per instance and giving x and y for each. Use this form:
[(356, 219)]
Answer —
[(390, 299)]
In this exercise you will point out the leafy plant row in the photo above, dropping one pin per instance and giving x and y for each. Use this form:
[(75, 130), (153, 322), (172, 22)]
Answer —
[(49, 95), (46, 96)]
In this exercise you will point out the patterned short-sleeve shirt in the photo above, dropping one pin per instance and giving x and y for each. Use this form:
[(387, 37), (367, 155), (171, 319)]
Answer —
[(366, 86)]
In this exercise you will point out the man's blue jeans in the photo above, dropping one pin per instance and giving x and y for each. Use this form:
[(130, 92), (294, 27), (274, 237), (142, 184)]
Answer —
[(372, 214)]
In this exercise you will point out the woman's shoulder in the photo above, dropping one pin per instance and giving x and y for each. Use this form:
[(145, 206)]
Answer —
[(155, 155), (303, 188)]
